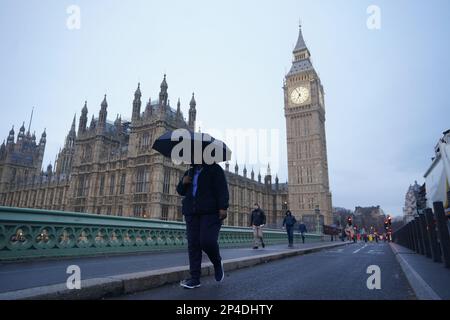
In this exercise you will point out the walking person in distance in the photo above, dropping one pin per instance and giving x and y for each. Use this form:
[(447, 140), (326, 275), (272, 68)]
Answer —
[(302, 229), (289, 221), (257, 222)]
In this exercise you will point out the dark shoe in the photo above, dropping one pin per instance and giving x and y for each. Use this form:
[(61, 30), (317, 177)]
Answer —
[(219, 272), (190, 283), (291, 246), (255, 247)]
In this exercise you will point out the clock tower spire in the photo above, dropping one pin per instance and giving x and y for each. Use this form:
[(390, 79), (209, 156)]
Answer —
[(306, 140), (301, 50)]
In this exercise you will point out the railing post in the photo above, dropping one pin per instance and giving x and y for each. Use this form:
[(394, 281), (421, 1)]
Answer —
[(444, 237), (419, 235), (431, 228), (409, 236), (425, 239), (405, 235), (415, 236), (398, 236)]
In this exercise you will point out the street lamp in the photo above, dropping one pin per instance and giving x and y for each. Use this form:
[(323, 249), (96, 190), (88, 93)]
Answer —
[(318, 228)]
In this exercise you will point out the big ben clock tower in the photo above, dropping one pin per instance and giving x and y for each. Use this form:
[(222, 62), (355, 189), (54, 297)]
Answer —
[(304, 108)]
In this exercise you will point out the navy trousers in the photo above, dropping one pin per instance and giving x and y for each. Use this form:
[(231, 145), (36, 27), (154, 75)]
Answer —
[(290, 232), (303, 237), (202, 235)]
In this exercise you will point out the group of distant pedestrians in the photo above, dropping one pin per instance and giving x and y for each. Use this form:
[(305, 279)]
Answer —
[(351, 233), (258, 220)]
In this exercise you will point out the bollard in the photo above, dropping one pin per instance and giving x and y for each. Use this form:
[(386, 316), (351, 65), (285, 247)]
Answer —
[(431, 230), (444, 238), (424, 234)]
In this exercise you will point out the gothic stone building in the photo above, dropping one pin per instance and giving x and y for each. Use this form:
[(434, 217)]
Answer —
[(415, 201), (367, 217), (109, 167)]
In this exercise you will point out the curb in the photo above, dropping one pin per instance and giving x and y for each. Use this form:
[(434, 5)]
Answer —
[(421, 289), (98, 288)]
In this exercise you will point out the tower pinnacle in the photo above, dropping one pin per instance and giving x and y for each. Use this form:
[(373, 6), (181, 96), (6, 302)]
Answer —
[(301, 45), (31, 119)]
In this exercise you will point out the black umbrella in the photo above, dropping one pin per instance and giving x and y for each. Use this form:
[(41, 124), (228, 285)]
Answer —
[(186, 146)]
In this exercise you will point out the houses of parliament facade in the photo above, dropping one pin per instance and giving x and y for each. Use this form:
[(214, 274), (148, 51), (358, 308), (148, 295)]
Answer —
[(109, 167)]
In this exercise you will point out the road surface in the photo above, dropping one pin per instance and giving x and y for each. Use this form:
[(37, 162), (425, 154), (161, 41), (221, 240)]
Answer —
[(24, 275), (336, 274)]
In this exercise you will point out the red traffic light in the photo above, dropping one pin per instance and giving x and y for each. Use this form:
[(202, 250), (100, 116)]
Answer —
[(349, 221)]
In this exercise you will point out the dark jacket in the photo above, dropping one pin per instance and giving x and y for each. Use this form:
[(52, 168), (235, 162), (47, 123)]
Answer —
[(289, 221), (257, 218), (302, 228), (212, 191)]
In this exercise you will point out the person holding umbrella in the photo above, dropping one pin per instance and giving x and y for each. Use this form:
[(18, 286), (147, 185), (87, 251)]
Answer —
[(205, 202)]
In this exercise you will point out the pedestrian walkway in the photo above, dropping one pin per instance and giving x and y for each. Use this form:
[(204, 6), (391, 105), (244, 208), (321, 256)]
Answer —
[(25, 275), (430, 280)]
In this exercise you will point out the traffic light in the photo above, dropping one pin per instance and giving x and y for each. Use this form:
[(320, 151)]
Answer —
[(389, 220), (349, 221), (386, 224)]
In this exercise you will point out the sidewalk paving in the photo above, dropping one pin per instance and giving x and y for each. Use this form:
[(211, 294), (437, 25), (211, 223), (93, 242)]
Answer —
[(104, 276), (430, 280)]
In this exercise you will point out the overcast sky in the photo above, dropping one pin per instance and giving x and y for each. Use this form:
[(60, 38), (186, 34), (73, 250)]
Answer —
[(386, 90)]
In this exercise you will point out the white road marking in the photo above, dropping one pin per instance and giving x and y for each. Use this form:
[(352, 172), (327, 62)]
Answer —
[(375, 252), (358, 250), (336, 251), (34, 269)]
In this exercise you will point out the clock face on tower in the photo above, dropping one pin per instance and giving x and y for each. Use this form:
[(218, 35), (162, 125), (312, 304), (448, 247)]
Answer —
[(299, 95)]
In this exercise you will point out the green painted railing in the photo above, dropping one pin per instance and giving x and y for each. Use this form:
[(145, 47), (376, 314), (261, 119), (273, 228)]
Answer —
[(31, 233)]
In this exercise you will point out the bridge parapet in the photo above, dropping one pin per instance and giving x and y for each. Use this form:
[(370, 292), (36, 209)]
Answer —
[(31, 233)]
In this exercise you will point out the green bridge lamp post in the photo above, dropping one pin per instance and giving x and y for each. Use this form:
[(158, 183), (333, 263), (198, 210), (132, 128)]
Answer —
[(318, 227)]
